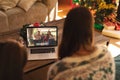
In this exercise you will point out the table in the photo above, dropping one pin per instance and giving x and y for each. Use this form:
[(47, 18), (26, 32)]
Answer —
[(37, 70), (34, 65)]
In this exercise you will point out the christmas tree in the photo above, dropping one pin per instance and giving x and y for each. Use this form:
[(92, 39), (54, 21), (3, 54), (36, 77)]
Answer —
[(101, 9)]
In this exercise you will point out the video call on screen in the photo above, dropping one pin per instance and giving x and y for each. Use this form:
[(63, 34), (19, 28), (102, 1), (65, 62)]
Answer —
[(41, 36)]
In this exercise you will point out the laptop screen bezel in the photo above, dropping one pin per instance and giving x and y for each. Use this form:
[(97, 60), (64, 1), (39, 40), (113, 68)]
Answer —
[(43, 45)]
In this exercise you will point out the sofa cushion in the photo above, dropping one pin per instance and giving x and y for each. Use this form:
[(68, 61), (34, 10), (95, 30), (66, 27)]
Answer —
[(3, 22), (26, 4), (16, 18), (37, 13), (8, 4)]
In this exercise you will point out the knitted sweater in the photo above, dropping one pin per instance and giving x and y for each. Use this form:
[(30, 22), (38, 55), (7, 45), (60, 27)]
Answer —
[(97, 66)]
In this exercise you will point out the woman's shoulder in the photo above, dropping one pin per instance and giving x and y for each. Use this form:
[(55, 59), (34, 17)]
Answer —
[(101, 52)]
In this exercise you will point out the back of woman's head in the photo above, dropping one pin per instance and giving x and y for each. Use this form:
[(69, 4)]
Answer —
[(13, 57), (77, 31)]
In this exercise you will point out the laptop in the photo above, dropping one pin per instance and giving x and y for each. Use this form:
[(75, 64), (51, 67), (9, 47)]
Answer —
[(42, 42)]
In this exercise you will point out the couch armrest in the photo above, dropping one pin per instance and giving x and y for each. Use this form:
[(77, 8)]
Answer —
[(52, 8)]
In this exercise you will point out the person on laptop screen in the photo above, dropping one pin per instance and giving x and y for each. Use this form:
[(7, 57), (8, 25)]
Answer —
[(37, 35), (49, 38), (37, 38), (79, 58)]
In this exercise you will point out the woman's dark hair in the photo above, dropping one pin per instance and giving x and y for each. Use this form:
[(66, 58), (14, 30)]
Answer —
[(77, 32), (13, 57)]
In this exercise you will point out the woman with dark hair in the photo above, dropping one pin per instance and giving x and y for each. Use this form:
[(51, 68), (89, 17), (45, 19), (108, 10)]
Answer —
[(79, 58), (13, 57)]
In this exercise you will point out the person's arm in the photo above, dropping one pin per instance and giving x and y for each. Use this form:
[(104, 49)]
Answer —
[(49, 74), (52, 71)]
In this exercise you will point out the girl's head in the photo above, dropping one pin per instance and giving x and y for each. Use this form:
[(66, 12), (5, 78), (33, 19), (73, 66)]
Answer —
[(13, 57), (77, 31)]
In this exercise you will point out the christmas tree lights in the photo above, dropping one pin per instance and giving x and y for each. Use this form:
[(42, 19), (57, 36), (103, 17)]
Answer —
[(101, 9)]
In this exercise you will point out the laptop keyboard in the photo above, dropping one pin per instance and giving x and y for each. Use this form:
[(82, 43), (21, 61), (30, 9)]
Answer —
[(43, 50)]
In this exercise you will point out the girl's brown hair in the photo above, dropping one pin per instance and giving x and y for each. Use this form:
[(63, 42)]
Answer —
[(77, 32), (13, 57)]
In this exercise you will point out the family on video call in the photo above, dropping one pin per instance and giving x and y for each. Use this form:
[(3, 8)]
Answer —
[(40, 37)]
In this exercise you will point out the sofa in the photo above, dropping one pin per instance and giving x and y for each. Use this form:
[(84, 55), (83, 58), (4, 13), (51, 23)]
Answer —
[(16, 13)]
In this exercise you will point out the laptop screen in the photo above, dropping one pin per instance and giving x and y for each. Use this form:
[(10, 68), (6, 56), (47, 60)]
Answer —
[(43, 36)]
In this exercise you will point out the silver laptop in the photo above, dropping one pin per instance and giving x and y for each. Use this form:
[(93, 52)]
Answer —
[(42, 42)]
